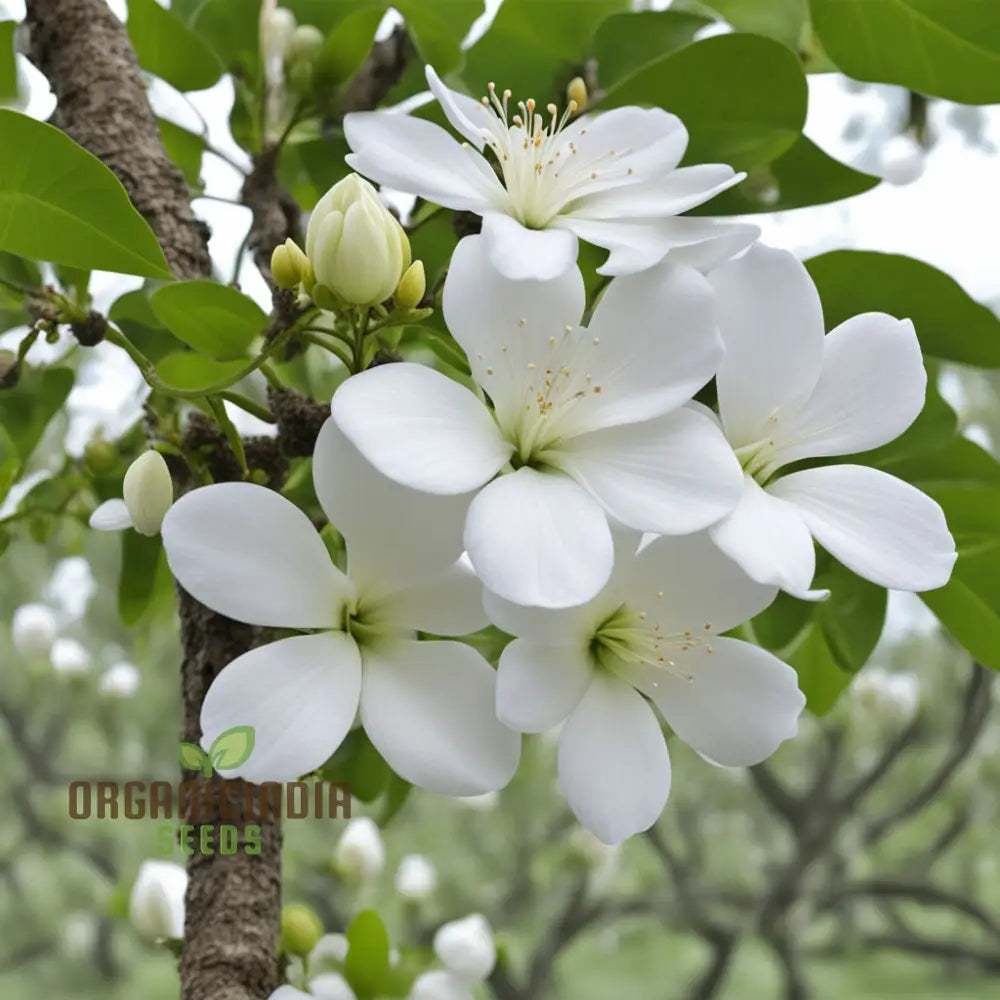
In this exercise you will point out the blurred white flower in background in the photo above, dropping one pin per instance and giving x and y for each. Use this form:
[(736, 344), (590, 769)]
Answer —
[(892, 696), (120, 681), (330, 986), (902, 160), (78, 935), (33, 630), (156, 905), (416, 878), (71, 587), (330, 951), (466, 948), (360, 853), (69, 657)]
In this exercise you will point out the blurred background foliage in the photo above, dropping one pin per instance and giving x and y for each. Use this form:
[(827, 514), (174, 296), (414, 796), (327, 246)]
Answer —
[(862, 860)]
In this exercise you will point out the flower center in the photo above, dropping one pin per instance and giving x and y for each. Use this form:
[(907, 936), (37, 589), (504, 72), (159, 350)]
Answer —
[(629, 638), (760, 460), (545, 165)]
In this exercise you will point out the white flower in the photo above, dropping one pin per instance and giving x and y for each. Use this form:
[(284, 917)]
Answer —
[(356, 246), (786, 393), (78, 935), (252, 555), (33, 629), (439, 984), (653, 633), (893, 696), (416, 878), (119, 681), (156, 905), (465, 947), (330, 950), (902, 160), (585, 422), (148, 492), (69, 657), (610, 179), (330, 986), (360, 852)]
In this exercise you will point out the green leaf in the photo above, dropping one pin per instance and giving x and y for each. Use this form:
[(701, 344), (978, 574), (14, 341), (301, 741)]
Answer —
[(752, 111), (231, 29), (191, 372), (214, 319), (782, 20), (438, 28), (185, 148), (27, 408), (231, 748), (358, 764), (346, 46), (946, 48), (804, 175), (59, 203), (627, 43), (536, 47), (168, 48), (192, 756), (132, 314), (367, 962), (949, 322), (8, 65), (142, 556)]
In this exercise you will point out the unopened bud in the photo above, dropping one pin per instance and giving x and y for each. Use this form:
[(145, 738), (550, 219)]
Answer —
[(357, 248), (10, 369), (148, 492), (277, 28), (288, 264), (576, 91), (156, 905), (410, 290), (416, 878), (902, 160), (69, 657), (360, 854), (300, 929), (306, 44), (119, 681), (33, 629), (465, 947)]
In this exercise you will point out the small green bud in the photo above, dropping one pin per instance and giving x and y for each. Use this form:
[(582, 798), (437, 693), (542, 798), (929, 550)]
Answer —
[(148, 492), (288, 264), (100, 456), (411, 287), (10, 369), (306, 44), (576, 94), (301, 929), (324, 298), (300, 76)]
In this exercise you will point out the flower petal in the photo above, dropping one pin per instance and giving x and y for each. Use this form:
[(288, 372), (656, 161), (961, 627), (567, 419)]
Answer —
[(659, 196), (504, 325), (539, 684), (420, 428), (638, 244), (539, 539), (613, 764), (769, 539), (685, 583), (429, 709), (520, 253), (870, 390), (465, 114), (395, 536), (250, 554), (418, 157), (556, 626), (299, 694), (446, 603), (736, 705), (671, 475), (112, 515), (878, 526), (772, 327), (654, 344)]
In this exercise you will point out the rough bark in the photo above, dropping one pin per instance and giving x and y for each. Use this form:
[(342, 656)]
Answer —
[(233, 901)]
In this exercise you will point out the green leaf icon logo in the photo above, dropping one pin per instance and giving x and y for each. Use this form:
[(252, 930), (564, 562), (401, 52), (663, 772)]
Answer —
[(232, 747), (195, 759)]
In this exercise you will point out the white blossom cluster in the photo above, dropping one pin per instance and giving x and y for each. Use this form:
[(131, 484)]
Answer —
[(573, 493)]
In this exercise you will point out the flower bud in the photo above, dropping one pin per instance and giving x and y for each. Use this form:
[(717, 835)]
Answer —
[(360, 854), (289, 264), (10, 369), (357, 248), (416, 878), (119, 681), (330, 951), (411, 288), (277, 28), (902, 160), (33, 629), (156, 905), (300, 929), (306, 44), (465, 947), (69, 657), (148, 492), (577, 91)]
